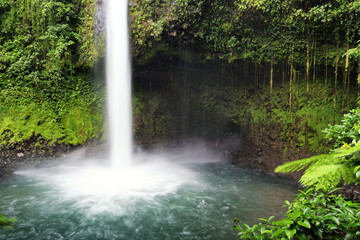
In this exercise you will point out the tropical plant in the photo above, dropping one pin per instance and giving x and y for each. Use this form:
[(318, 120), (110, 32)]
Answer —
[(46, 49), (317, 212), (6, 223), (348, 131), (341, 165), (314, 214)]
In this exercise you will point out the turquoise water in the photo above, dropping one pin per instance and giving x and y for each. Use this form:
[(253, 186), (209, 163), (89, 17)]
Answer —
[(176, 200)]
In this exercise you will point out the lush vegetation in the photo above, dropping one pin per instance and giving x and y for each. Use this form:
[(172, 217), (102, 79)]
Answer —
[(300, 50), (49, 50), (46, 49), (314, 214), (295, 51), (300, 70), (310, 34), (341, 165), (319, 212)]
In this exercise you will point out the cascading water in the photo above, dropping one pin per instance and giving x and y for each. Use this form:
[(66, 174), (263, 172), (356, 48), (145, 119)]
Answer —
[(118, 83)]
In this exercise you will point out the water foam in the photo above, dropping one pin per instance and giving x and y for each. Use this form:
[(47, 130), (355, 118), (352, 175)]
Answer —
[(103, 189)]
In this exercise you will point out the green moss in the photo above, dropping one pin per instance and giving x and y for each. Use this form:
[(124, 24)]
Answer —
[(73, 123), (80, 124)]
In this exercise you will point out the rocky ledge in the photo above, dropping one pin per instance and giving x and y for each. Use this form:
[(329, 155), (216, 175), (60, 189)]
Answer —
[(30, 153)]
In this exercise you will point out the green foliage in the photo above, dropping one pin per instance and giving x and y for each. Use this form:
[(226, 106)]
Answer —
[(314, 214), (45, 48), (38, 45), (346, 132), (257, 31), (6, 223), (149, 19), (92, 47), (72, 119), (327, 169), (339, 166)]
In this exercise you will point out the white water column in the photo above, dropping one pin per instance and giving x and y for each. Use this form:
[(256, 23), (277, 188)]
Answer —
[(118, 75)]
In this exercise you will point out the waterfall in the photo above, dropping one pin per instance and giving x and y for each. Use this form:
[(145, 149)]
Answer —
[(118, 77)]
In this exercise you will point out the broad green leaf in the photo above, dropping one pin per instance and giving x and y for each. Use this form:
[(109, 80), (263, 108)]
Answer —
[(246, 226), (290, 233), (278, 232), (349, 210), (265, 231), (284, 222), (358, 214), (333, 227), (336, 220), (349, 236), (304, 223), (295, 214)]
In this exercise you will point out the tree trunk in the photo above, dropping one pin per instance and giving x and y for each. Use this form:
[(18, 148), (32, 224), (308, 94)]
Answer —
[(232, 76), (347, 64), (283, 74), (256, 77), (336, 75), (245, 77), (265, 68), (307, 89), (346, 75), (326, 67), (271, 76), (222, 82), (314, 66), (171, 69), (236, 71)]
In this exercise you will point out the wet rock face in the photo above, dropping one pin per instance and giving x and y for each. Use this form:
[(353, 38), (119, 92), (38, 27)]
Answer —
[(33, 152), (230, 147), (99, 28)]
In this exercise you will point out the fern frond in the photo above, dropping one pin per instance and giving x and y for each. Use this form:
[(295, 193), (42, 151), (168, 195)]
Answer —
[(299, 165), (331, 174), (326, 169)]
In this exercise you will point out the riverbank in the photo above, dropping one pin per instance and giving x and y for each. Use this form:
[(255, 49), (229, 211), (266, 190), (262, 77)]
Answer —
[(29, 154), (235, 150)]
